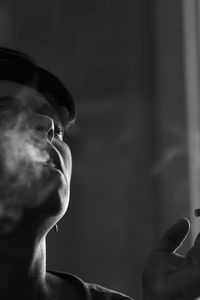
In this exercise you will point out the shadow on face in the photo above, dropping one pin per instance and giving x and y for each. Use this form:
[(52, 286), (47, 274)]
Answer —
[(35, 163)]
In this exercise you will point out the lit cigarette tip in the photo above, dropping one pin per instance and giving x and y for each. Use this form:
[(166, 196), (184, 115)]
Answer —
[(197, 212)]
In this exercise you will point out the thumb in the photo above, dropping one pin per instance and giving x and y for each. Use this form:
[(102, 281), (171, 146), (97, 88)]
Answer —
[(174, 236)]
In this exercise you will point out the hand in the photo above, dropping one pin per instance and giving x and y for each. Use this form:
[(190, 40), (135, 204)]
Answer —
[(169, 276)]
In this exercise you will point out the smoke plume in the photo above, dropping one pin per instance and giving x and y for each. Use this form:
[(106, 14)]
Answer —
[(23, 156)]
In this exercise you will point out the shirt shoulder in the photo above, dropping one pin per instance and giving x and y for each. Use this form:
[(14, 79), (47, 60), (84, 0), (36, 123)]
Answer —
[(99, 292), (91, 291)]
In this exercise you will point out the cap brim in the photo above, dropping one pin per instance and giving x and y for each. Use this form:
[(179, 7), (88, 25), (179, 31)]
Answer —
[(14, 66)]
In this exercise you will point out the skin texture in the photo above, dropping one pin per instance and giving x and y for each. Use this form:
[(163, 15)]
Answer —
[(23, 249)]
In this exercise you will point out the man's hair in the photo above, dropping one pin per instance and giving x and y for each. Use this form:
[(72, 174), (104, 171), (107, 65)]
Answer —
[(17, 67)]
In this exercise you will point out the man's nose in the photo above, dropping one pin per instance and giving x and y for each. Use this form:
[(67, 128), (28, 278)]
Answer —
[(44, 126)]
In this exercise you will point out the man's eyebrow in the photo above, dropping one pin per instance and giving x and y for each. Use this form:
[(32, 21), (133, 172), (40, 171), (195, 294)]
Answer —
[(8, 102), (45, 108), (7, 99)]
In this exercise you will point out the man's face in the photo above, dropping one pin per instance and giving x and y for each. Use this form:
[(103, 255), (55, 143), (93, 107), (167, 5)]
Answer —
[(36, 160)]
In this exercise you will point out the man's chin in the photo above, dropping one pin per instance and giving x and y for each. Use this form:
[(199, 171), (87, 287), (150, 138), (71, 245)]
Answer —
[(41, 199), (54, 172), (53, 206), (54, 196)]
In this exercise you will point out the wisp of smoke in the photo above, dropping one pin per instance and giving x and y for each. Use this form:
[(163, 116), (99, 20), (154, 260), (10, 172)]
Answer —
[(23, 154)]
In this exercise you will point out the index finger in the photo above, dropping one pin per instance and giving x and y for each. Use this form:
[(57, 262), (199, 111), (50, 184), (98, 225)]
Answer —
[(174, 236)]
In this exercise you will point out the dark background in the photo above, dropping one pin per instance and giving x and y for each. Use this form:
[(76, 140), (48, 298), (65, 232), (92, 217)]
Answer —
[(123, 62)]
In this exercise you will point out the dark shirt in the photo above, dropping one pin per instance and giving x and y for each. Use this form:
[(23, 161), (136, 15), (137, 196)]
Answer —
[(91, 291)]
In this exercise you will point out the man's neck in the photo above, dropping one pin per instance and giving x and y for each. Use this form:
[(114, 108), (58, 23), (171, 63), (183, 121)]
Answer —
[(22, 267)]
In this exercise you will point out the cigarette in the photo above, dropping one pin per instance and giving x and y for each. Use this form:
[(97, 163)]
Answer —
[(197, 212)]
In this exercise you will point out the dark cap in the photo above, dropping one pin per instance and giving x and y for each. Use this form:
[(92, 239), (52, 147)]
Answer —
[(18, 67)]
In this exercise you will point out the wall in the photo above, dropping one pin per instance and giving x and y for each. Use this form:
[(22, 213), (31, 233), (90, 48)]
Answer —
[(103, 51), (171, 168)]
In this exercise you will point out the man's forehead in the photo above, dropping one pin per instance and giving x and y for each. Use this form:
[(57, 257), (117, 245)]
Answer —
[(25, 93), (28, 97)]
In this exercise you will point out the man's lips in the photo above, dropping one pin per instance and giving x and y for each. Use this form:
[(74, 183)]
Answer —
[(55, 161), (52, 166)]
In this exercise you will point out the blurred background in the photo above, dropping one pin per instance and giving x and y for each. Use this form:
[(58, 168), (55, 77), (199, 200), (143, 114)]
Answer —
[(133, 68)]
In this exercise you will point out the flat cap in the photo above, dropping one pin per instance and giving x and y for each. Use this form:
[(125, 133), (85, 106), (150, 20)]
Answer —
[(17, 67)]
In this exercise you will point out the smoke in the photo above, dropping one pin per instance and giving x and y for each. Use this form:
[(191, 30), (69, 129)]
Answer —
[(168, 158), (24, 154), (175, 150)]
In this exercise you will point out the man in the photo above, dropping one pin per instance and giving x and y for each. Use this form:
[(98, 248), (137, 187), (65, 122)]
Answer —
[(35, 166)]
